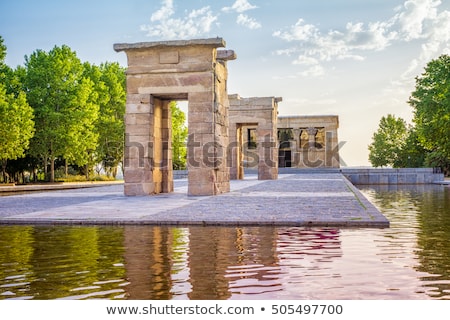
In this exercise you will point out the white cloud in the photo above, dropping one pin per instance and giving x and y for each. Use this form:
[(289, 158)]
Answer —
[(165, 11), (239, 6), (298, 32), (435, 35), (306, 61), (414, 17), (195, 23), (248, 22), (414, 20), (314, 71)]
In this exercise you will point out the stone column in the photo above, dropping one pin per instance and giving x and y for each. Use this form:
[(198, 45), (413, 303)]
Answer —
[(235, 151), (296, 147), (268, 153), (139, 120), (267, 143), (166, 130), (312, 137), (208, 173), (240, 153)]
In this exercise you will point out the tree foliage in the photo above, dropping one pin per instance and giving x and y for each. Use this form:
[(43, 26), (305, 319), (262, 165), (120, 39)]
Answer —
[(16, 126), (16, 117), (2, 51), (109, 82), (412, 154), (64, 105), (388, 141), (179, 136), (431, 103), (436, 159)]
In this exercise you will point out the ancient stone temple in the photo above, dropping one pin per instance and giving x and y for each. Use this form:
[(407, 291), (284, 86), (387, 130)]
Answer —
[(302, 142), (160, 72), (308, 141), (253, 120)]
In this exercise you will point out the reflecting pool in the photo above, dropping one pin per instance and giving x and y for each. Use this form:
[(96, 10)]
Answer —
[(409, 260)]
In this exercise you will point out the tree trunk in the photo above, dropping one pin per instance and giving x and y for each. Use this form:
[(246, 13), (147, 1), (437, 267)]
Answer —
[(4, 161), (52, 169), (45, 168)]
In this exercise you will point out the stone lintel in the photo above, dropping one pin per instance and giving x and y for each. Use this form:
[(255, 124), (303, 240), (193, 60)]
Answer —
[(248, 108), (308, 120), (253, 100), (212, 42), (238, 103), (310, 117)]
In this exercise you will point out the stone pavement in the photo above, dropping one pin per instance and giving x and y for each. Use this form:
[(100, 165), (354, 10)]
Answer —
[(320, 199)]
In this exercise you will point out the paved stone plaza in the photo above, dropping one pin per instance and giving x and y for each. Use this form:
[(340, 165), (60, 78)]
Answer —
[(292, 200)]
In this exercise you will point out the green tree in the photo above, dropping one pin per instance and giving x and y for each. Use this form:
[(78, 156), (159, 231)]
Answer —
[(64, 106), (16, 126), (431, 103), (82, 136), (388, 141), (109, 83), (2, 51), (179, 136), (436, 159), (16, 116), (412, 154)]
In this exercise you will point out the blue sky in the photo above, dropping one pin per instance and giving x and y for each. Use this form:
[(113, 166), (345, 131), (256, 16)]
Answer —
[(353, 58)]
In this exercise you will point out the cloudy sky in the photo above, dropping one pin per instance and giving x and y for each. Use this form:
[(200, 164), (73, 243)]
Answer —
[(352, 58)]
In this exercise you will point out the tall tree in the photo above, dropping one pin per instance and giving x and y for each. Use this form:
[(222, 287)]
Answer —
[(82, 135), (431, 103), (16, 126), (388, 141), (109, 83), (64, 110), (16, 116)]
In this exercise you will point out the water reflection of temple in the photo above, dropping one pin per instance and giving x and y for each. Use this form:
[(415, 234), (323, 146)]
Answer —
[(148, 262), (161, 262), (218, 262)]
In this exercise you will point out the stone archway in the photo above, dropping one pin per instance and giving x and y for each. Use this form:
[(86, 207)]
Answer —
[(158, 72), (260, 114)]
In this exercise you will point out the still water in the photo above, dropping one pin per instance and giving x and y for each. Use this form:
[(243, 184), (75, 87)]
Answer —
[(409, 260)]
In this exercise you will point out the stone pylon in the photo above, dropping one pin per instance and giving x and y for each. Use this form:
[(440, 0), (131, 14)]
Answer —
[(160, 72)]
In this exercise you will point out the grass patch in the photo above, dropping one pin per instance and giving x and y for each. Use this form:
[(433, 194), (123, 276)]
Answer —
[(80, 178)]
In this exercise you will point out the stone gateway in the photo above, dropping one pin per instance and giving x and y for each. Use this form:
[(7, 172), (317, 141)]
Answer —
[(160, 72)]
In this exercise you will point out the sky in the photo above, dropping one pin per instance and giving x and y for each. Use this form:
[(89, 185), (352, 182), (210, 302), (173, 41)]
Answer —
[(352, 58)]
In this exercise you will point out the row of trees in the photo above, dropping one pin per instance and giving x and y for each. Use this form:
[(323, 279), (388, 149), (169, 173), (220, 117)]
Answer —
[(60, 115), (427, 141), (58, 110)]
